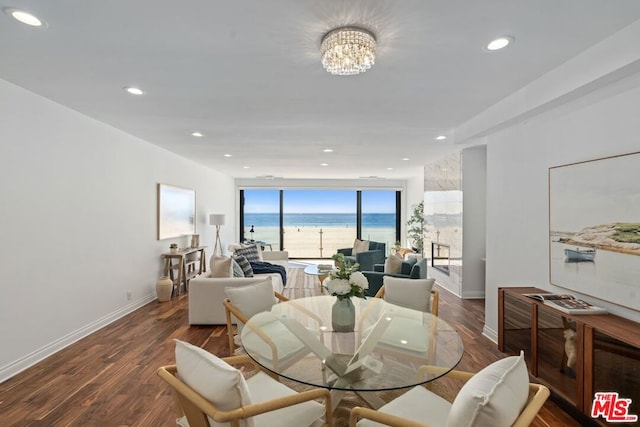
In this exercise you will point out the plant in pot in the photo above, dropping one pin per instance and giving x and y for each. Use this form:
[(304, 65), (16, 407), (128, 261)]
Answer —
[(416, 228)]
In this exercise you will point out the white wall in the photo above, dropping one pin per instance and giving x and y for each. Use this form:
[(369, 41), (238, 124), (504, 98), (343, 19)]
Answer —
[(78, 223), (582, 110), (603, 123)]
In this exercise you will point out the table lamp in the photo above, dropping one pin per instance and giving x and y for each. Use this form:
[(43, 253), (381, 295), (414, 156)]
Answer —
[(217, 220)]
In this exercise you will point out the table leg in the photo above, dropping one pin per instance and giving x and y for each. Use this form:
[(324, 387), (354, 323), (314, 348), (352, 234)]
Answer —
[(322, 277), (182, 275)]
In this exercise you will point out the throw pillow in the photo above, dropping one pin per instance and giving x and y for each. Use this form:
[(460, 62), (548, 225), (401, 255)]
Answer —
[(237, 270), (494, 397), (360, 246), (250, 252), (252, 299), (244, 263), (213, 378), (409, 293), (221, 267), (392, 264)]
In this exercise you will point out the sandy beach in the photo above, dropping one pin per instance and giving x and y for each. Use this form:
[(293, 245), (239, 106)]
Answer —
[(305, 242)]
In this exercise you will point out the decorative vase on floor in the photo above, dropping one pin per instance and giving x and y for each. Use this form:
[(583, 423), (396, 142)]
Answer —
[(343, 315), (164, 288)]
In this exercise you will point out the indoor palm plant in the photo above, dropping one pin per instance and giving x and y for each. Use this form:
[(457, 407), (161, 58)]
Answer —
[(416, 227)]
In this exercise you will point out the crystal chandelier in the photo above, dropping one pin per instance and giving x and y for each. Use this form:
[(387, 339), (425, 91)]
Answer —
[(348, 50)]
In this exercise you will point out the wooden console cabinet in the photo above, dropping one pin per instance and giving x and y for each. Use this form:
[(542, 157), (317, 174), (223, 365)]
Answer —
[(607, 350)]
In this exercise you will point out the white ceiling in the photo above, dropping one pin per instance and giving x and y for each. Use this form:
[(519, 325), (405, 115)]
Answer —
[(247, 73)]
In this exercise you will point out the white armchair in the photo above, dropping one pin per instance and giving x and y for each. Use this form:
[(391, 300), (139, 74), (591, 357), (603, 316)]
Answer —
[(209, 391), (500, 395)]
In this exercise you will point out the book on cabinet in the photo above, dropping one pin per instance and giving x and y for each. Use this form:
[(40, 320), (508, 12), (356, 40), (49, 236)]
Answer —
[(566, 303)]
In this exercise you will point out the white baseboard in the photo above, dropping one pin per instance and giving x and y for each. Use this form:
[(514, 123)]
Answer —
[(490, 334), (42, 353), (473, 295)]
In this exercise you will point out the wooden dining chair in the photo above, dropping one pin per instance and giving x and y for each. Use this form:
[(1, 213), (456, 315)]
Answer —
[(209, 391), (499, 395), (417, 294), (243, 302)]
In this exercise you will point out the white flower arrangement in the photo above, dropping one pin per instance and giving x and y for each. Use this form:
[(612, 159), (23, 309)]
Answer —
[(346, 281)]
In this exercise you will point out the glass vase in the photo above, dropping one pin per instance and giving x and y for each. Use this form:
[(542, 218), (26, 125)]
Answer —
[(343, 315)]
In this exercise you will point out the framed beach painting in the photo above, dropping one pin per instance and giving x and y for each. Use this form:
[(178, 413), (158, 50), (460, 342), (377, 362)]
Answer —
[(594, 228), (176, 211)]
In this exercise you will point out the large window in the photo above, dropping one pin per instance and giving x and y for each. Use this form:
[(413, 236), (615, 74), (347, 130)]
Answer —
[(315, 223), (318, 222), (261, 213), (380, 216)]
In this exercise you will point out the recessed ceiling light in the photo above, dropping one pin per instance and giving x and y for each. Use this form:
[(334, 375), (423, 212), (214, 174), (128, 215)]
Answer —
[(500, 43), (328, 150), (245, 167), (406, 158), (197, 134), (389, 169), (25, 17), (227, 155), (134, 90), (441, 137), (324, 164)]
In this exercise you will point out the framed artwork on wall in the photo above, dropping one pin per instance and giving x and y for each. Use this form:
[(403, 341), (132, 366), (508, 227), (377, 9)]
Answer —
[(176, 211), (594, 228)]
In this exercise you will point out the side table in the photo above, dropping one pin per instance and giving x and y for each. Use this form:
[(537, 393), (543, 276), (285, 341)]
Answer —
[(186, 267)]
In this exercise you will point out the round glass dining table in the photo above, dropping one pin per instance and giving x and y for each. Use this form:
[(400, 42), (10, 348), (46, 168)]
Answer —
[(390, 347)]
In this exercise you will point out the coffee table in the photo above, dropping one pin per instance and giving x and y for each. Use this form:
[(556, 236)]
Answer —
[(385, 352), (312, 270)]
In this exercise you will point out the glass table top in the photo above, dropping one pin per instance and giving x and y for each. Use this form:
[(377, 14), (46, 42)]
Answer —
[(386, 350)]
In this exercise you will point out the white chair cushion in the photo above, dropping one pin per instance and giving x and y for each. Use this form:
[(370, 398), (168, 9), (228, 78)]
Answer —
[(264, 388), (409, 293), (418, 404), (287, 344), (392, 264), (404, 334), (214, 379), (254, 298), (494, 397)]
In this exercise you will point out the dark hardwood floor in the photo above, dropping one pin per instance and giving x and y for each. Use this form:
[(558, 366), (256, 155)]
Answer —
[(109, 378)]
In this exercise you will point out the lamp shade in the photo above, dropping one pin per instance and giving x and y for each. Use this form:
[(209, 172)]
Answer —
[(216, 219)]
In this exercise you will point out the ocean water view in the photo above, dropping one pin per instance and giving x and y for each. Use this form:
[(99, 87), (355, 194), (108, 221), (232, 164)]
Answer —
[(319, 235), (371, 220)]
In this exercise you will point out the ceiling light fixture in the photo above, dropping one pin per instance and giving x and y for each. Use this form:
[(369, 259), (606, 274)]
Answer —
[(500, 43), (227, 155), (25, 17), (441, 137), (134, 90), (406, 158), (324, 164), (328, 150), (347, 51), (197, 134)]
